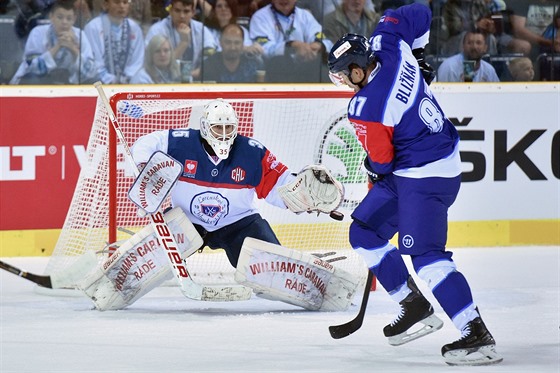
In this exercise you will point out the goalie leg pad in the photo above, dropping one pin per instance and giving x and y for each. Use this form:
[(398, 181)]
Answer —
[(139, 265), (314, 189), (278, 273)]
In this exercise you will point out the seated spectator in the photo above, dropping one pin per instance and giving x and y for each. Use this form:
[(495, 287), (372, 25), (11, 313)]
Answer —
[(489, 16), (190, 39), (530, 19), (519, 70), (57, 53), (320, 8), (160, 66), (352, 17), (232, 65), (224, 13), (117, 43), (294, 44), (140, 11), (468, 66)]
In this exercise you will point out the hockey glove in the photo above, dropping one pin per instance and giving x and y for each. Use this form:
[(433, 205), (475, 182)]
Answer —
[(372, 175), (427, 71)]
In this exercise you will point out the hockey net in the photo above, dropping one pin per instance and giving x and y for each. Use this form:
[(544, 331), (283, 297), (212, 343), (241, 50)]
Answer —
[(300, 128)]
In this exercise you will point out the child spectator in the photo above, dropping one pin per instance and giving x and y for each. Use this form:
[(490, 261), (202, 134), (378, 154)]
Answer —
[(140, 11), (117, 42), (57, 53), (520, 70)]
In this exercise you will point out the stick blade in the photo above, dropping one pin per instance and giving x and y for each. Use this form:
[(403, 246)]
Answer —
[(344, 330), (44, 281)]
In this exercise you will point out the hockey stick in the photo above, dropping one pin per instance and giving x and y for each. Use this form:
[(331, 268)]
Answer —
[(188, 287), (344, 330), (44, 281)]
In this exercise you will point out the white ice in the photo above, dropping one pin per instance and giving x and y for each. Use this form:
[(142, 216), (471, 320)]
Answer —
[(516, 289)]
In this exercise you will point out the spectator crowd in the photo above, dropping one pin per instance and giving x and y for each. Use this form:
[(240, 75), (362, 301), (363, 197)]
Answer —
[(256, 41)]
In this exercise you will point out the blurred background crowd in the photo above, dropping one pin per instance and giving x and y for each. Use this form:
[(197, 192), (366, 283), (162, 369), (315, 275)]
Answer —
[(255, 41)]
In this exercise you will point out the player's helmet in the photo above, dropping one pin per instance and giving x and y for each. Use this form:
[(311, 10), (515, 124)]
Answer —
[(218, 126), (351, 49)]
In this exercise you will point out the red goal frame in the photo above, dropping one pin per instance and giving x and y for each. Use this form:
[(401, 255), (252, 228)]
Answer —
[(131, 96)]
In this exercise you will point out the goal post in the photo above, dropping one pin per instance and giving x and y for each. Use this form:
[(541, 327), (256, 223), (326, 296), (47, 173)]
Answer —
[(299, 127)]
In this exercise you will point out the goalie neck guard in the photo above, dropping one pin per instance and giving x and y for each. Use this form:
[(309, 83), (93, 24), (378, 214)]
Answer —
[(218, 126)]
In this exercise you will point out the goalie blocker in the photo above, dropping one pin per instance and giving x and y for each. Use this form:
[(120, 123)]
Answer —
[(278, 273)]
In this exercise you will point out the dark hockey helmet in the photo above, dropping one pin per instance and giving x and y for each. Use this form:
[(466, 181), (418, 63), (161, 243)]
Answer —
[(350, 49)]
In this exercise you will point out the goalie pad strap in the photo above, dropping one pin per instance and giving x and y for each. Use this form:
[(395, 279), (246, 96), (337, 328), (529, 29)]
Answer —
[(277, 273)]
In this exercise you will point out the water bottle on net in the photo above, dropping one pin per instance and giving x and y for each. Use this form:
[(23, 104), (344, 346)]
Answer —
[(130, 109)]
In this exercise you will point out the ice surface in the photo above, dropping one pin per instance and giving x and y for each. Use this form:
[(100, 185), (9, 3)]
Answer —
[(516, 289)]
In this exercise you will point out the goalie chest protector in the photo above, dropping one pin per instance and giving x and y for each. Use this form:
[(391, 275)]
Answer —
[(248, 165)]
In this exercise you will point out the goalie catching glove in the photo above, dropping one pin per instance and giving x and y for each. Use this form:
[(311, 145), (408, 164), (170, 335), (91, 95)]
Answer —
[(314, 189)]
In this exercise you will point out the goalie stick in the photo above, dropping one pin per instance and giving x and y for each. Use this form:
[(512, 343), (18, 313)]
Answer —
[(344, 330), (43, 281), (188, 287)]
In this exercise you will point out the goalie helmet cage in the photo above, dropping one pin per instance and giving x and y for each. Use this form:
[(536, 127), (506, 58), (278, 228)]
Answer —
[(299, 127)]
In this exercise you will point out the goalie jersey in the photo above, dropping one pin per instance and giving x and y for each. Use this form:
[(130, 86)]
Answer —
[(214, 193), (409, 122)]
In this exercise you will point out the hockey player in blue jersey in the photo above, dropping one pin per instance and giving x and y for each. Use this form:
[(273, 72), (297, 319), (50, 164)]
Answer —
[(413, 161)]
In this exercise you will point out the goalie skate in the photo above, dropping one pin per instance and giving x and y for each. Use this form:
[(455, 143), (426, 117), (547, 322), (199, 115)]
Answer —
[(475, 347), (415, 311)]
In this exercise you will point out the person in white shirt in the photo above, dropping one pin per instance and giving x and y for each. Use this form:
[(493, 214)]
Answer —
[(117, 42), (293, 41), (57, 53), (468, 66)]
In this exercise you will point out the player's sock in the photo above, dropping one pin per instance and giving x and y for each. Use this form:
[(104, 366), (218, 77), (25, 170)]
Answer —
[(475, 347), (415, 309)]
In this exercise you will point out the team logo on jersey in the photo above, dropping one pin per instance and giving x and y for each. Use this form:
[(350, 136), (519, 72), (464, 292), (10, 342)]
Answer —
[(238, 174), (340, 151), (408, 241), (209, 207), (190, 168)]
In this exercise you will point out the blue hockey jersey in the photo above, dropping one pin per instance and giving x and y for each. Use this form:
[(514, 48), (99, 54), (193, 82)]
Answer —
[(396, 116), (214, 193)]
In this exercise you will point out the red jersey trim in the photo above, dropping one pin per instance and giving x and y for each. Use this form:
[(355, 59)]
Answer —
[(377, 140)]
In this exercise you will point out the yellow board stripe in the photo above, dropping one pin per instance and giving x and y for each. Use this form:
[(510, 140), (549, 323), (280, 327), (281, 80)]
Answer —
[(41, 242)]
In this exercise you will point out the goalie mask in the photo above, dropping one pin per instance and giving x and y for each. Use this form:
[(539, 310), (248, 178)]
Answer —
[(218, 126)]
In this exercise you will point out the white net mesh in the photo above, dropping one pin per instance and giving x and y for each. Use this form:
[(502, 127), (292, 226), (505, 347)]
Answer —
[(299, 128)]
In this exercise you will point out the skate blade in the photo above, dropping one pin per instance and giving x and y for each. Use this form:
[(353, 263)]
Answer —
[(431, 324), (485, 355)]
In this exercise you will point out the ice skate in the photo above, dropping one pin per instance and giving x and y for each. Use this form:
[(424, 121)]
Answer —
[(415, 311), (475, 347)]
